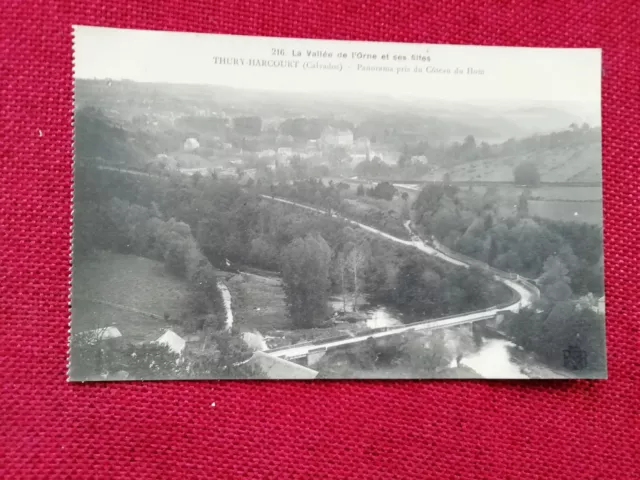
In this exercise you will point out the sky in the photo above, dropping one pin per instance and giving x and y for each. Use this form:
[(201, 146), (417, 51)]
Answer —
[(510, 73)]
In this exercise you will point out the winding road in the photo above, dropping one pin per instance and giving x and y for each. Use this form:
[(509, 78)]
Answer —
[(525, 291)]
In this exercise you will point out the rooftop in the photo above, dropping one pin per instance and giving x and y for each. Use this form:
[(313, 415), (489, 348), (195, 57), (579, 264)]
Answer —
[(281, 369)]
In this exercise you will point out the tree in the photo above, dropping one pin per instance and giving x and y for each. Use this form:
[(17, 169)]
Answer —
[(469, 149), (342, 270), (263, 253), (305, 275), (493, 251), (356, 262), (491, 199), (95, 358), (383, 190), (426, 354), (247, 125), (469, 142), (523, 206), (554, 281), (406, 212), (174, 258), (149, 362), (526, 173), (552, 328), (299, 167), (225, 357), (337, 155), (485, 150), (360, 190), (405, 158), (417, 287)]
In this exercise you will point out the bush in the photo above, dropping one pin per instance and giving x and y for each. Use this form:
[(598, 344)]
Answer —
[(526, 174)]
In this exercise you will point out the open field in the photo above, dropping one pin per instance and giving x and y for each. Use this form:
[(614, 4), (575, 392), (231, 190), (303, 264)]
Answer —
[(561, 164), (132, 293), (258, 303), (573, 194), (575, 204), (367, 205), (578, 204), (588, 212)]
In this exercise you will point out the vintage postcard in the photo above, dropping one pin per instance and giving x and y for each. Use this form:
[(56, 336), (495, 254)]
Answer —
[(275, 208)]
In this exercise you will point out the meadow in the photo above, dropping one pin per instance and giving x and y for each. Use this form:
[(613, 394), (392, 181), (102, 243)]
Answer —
[(258, 303), (588, 212), (560, 164), (132, 293), (574, 204)]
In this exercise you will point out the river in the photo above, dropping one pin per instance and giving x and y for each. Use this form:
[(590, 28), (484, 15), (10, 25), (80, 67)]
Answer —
[(493, 359)]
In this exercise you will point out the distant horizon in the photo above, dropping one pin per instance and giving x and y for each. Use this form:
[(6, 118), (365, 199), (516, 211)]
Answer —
[(497, 105)]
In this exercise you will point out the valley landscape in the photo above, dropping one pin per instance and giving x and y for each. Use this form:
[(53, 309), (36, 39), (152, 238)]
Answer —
[(235, 234)]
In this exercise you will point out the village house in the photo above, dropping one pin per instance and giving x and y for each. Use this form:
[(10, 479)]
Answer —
[(360, 157), (191, 144), (267, 153), (174, 342), (231, 173), (99, 334), (590, 301), (307, 155), (333, 137), (248, 177), (280, 368), (284, 140), (271, 123), (282, 151), (362, 144), (282, 162)]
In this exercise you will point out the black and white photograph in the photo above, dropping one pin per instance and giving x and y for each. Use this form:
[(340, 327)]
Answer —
[(278, 208)]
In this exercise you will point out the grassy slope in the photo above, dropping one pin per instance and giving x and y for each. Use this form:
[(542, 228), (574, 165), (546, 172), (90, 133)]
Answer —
[(562, 164), (252, 292), (576, 204), (133, 282)]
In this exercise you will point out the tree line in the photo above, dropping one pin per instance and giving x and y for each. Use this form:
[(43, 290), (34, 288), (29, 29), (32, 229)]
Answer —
[(564, 257), (469, 149), (472, 225), (103, 221), (317, 255), (336, 197), (93, 359)]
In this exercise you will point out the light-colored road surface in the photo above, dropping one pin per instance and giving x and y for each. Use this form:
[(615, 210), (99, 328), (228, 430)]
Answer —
[(226, 298), (526, 295), (124, 170)]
